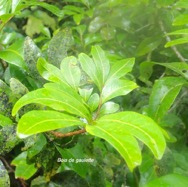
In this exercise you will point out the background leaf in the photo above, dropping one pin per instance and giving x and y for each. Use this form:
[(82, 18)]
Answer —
[(121, 67), (14, 54), (22, 165), (58, 46), (171, 180), (163, 95)]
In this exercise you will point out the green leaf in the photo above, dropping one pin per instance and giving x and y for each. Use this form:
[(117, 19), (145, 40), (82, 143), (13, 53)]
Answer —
[(53, 9), (97, 68), (5, 7), (40, 142), (125, 144), (57, 96), (163, 94), (181, 4), (146, 70), (14, 54), (120, 68), (108, 108), (93, 102), (181, 20), (31, 55), (101, 63), (5, 121), (71, 157), (179, 32), (34, 26), (171, 180), (23, 169), (15, 3), (116, 87), (85, 93), (89, 67), (38, 121), (17, 87), (71, 71), (58, 46), (148, 45), (122, 128), (179, 67), (177, 42), (49, 71)]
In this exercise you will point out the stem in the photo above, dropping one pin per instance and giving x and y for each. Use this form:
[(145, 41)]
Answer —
[(61, 135), (168, 39), (9, 168)]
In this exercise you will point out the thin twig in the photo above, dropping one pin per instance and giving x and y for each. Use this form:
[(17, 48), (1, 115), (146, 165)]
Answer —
[(9, 168), (168, 39), (61, 135)]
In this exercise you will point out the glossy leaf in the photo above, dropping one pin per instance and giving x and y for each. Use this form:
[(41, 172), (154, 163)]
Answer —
[(177, 42), (85, 93), (180, 68), (89, 67), (120, 68), (38, 121), (108, 108), (171, 180), (125, 144), (49, 72), (146, 69), (93, 102), (15, 3), (23, 169), (163, 94), (71, 71), (115, 127), (4, 7), (14, 54), (179, 32), (116, 87), (101, 63), (181, 20), (53, 9), (57, 96)]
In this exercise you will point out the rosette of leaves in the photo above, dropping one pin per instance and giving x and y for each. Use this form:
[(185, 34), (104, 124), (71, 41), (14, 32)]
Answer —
[(91, 106)]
